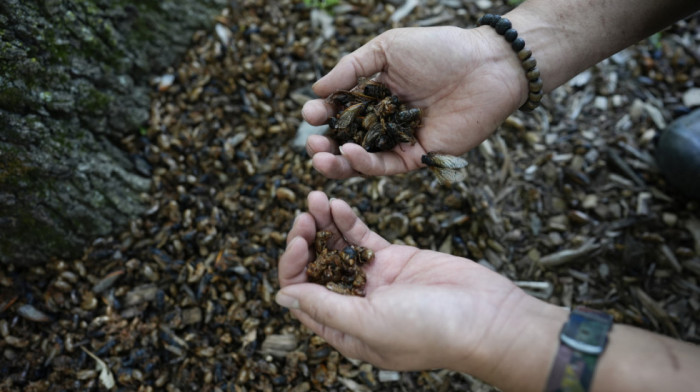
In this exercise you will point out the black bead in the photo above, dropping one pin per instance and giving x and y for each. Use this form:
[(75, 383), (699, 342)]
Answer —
[(502, 25), (510, 35), (505, 28), (518, 44), (485, 20)]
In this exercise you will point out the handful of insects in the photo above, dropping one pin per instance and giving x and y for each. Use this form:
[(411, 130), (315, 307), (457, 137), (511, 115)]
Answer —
[(371, 116), (339, 270)]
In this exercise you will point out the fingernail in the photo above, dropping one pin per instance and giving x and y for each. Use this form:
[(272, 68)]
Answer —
[(286, 301), (340, 148)]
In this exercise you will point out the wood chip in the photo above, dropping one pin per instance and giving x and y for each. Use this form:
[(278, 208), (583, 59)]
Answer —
[(569, 255)]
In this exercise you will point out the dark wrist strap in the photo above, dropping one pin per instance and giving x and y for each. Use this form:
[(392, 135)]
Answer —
[(572, 370), (582, 340), (505, 28)]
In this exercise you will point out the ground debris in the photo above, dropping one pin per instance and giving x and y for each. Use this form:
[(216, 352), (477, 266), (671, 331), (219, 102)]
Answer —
[(182, 300)]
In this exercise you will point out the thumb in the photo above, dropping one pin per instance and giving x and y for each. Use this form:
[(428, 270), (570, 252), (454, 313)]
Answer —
[(344, 313), (365, 61)]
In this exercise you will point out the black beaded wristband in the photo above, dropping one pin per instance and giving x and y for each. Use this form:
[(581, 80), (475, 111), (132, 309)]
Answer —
[(505, 28)]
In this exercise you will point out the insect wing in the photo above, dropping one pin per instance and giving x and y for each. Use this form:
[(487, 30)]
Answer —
[(344, 98), (449, 176), (349, 115), (447, 168), (444, 161), (340, 98), (370, 121)]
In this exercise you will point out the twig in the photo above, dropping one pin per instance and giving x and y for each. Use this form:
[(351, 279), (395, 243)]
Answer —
[(569, 255)]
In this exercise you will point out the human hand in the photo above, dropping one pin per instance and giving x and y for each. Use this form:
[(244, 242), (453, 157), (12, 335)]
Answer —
[(465, 81), (422, 309)]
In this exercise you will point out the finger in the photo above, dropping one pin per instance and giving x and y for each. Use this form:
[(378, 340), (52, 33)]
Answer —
[(365, 61), (382, 163), (317, 111), (318, 143), (333, 166), (347, 344), (353, 229), (320, 209), (344, 313), (292, 264), (304, 226)]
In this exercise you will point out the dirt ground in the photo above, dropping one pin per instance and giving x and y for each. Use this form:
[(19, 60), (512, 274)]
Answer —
[(183, 299)]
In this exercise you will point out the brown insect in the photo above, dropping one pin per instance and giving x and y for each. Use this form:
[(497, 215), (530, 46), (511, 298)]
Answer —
[(370, 115), (339, 270)]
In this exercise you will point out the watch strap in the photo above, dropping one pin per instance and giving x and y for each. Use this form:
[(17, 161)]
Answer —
[(582, 340), (572, 371)]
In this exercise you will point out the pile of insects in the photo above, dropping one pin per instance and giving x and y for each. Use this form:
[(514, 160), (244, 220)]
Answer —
[(371, 116), (339, 270)]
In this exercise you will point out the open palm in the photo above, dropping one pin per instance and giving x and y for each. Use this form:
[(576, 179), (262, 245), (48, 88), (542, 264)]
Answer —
[(461, 81), (422, 309)]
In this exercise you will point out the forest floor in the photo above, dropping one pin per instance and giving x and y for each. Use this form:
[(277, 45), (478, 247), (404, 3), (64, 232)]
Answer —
[(184, 299)]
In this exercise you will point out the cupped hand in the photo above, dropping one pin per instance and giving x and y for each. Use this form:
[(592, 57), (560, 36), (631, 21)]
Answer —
[(422, 309), (465, 81)]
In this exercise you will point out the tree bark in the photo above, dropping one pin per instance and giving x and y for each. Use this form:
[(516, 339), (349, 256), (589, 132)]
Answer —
[(74, 83)]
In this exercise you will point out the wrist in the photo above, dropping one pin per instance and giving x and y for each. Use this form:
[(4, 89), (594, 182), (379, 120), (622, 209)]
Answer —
[(523, 347), (501, 64), (557, 60)]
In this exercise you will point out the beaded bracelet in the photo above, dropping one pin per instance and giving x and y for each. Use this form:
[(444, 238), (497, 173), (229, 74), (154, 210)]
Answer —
[(505, 28)]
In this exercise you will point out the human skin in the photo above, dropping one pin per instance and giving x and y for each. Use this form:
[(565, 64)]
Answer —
[(467, 81), (426, 309)]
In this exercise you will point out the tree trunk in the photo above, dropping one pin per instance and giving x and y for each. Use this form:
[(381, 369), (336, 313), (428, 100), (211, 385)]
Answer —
[(74, 83)]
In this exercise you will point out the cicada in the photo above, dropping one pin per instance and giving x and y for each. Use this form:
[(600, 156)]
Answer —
[(370, 115), (447, 168)]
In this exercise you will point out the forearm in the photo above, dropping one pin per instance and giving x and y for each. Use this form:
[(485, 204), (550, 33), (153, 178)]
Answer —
[(568, 36), (634, 360), (639, 360)]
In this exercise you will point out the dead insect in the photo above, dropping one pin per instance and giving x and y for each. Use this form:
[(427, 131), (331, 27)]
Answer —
[(400, 133), (339, 270), (370, 121), (370, 115), (344, 98), (344, 128), (321, 241), (409, 115), (377, 139), (447, 168), (386, 106), (349, 115), (373, 88)]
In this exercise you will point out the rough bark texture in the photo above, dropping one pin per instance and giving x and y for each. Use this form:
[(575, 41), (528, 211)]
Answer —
[(74, 81)]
